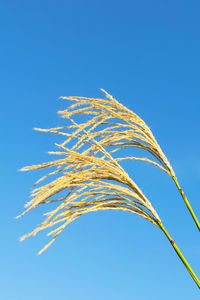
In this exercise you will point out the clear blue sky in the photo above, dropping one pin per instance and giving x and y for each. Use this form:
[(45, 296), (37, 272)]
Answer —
[(145, 53)]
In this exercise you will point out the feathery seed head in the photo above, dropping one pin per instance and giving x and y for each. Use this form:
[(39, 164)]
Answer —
[(89, 178)]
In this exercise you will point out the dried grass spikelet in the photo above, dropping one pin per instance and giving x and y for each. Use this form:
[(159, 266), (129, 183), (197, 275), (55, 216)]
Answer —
[(88, 174), (119, 128), (89, 178), (91, 184)]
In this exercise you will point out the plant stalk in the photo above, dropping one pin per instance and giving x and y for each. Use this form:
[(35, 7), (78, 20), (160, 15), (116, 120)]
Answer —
[(184, 261), (186, 202)]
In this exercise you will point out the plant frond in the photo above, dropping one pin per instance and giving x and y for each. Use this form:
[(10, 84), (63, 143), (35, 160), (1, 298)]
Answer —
[(130, 128), (90, 183), (89, 178)]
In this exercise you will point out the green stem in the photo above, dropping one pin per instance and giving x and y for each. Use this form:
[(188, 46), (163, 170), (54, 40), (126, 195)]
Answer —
[(184, 261), (186, 202)]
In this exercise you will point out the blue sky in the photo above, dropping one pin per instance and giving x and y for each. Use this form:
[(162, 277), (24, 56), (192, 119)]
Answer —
[(146, 54)]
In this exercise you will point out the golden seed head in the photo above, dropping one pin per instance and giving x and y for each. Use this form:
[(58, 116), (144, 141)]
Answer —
[(89, 178)]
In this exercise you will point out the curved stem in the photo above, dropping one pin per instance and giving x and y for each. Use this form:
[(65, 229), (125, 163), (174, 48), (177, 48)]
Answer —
[(184, 261), (186, 202)]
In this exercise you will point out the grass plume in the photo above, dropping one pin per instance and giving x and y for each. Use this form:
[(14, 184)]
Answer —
[(88, 176)]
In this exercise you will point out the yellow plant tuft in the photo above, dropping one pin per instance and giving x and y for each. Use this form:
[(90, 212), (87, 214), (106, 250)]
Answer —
[(89, 176)]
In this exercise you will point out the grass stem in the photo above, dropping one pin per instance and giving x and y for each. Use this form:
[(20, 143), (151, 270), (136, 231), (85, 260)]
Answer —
[(179, 253), (187, 202)]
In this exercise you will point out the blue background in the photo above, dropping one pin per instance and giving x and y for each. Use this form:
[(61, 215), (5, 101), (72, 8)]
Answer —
[(147, 55)]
